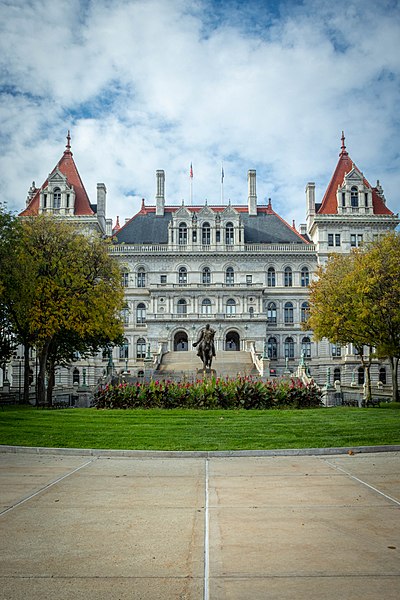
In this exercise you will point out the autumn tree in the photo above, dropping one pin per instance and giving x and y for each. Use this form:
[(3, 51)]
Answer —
[(356, 299), (75, 291)]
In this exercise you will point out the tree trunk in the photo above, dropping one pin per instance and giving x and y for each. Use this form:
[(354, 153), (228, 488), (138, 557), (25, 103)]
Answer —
[(51, 382), (26, 373), (41, 382), (394, 363)]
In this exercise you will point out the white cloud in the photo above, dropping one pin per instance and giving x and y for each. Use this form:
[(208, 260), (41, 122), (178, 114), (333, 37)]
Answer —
[(151, 84)]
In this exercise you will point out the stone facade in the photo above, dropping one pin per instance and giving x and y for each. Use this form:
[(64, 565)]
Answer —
[(240, 267)]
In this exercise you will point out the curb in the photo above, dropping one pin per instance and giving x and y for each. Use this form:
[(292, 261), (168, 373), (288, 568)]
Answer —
[(195, 453)]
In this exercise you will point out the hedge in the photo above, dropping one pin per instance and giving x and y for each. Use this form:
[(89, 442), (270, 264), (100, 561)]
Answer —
[(214, 393)]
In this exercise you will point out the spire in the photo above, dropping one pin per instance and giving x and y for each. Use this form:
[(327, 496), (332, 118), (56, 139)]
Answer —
[(343, 148), (68, 145)]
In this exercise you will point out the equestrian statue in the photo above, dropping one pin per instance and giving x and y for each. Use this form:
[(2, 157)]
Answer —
[(205, 346)]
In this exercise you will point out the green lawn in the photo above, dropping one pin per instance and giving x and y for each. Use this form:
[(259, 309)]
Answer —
[(198, 430)]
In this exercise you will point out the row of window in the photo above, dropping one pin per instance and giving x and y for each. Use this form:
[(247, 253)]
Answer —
[(229, 234), (229, 277), (356, 239), (288, 347), (56, 199), (355, 198), (230, 309)]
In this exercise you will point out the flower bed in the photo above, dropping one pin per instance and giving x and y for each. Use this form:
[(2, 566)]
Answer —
[(214, 393)]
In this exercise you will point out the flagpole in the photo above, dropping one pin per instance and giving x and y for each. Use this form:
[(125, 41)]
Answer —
[(191, 184), (222, 183)]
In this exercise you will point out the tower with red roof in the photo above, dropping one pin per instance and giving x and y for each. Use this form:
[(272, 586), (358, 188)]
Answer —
[(351, 212), (63, 194)]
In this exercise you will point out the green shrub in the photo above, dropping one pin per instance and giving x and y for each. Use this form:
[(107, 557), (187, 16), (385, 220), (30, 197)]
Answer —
[(213, 393)]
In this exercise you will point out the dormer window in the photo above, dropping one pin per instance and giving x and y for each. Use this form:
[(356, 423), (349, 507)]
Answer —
[(229, 235), (354, 197), (206, 234), (57, 198), (182, 234)]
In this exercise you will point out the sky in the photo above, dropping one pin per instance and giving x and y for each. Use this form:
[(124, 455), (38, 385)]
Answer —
[(162, 84)]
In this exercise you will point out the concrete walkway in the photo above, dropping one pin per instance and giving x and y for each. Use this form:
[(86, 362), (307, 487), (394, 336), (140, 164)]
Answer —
[(202, 528)]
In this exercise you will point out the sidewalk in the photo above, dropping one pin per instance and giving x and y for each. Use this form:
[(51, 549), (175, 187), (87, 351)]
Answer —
[(201, 528)]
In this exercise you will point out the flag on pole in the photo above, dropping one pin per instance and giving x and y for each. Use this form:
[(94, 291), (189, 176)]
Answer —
[(191, 171), (222, 174)]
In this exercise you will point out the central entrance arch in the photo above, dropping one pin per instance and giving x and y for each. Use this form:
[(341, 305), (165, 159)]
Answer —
[(181, 341), (232, 341)]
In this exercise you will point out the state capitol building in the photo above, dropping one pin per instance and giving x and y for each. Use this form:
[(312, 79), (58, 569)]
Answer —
[(240, 267)]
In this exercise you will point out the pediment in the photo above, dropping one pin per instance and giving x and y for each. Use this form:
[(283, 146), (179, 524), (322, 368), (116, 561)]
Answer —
[(353, 176), (206, 213), (57, 178), (229, 213), (183, 213)]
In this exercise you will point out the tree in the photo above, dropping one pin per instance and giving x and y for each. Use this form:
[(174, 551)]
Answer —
[(356, 299), (63, 290)]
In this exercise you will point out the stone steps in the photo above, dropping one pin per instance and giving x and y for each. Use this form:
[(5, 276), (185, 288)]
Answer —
[(225, 364)]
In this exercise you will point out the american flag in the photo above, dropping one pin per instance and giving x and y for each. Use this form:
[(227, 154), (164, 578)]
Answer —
[(191, 171)]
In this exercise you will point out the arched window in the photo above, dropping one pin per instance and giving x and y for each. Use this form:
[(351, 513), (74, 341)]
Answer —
[(271, 277), (141, 278), (182, 307), (182, 233), (75, 376), (230, 307), (206, 234), (206, 306), (229, 233), (251, 312), (271, 312), (306, 347), (124, 278), (140, 375), (382, 375), (272, 348), (354, 196), (305, 277), (124, 350), (125, 315), (288, 277), (336, 374), (57, 198), (360, 375), (182, 276), (230, 276), (304, 311), (289, 347), (206, 276), (288, 312), (141, 348), (141, 313)]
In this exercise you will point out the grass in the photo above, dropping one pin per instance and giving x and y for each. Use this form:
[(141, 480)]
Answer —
[(183, 429)]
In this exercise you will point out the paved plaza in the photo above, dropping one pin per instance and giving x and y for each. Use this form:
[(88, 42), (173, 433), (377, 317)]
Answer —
[(200, 527)]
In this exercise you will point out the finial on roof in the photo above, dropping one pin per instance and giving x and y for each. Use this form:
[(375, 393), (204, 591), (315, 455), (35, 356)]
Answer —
[(142, 207), (343, 147), (68, 145), (294, 224)]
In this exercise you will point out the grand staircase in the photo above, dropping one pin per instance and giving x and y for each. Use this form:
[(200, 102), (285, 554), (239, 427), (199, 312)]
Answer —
[(187, 365)]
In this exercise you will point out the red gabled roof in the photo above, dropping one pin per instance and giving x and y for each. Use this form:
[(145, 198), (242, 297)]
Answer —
[(345, 165), (68, 168)]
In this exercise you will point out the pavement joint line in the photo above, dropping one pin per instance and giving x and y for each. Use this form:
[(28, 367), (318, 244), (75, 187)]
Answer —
[(46, 487), (371, 487), (206, 533)]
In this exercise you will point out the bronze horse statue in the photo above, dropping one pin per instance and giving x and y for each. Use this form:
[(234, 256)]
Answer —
[(206, 348)]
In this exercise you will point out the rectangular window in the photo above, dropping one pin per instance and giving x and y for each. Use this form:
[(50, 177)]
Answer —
[(330, 239), (336, 350), (366, 199), (218, 236), (337, 239), (163, 279), (343, 199), (360, 239), (353, 240), (249, 279)]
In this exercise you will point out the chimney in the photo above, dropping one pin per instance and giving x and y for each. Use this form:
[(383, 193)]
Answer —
[(252, 198), (101, 200), (160, 194)]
